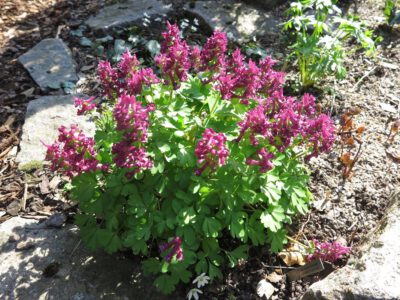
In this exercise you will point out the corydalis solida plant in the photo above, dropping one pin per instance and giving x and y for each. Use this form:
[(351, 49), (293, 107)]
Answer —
[(210, 148)]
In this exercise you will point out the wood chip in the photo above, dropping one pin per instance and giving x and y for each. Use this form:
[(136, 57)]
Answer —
[(274, 277)]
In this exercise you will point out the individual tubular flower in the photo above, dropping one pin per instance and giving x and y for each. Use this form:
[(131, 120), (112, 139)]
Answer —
[(128, 63), (320, 133), (131, 157), (132, 77), (174, 58), (135, 81), (84, 105), (256, 123), (244, 79), (285, 127), (132, 117), (212, 57), (330, 252), (109, 78), (171, 249), (73, 153), (195, 57), (211, 150), (264, 161), (271, 81), (306, 106)]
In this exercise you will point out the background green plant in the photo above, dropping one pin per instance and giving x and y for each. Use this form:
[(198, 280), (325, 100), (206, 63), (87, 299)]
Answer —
[(392, 16), (320, 33)]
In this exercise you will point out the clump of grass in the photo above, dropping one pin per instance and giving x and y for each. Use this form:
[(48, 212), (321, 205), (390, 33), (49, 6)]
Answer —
[(31, 166)]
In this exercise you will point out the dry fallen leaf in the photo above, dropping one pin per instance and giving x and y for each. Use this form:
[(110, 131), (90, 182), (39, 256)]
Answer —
[(360, 129), (354, 111), (274, 277), (264, 288), (346, 158), (293, 255)]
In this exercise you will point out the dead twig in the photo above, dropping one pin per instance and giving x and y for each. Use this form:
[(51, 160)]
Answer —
[(24, 197), (44, 213), (277, 267), (356, 86), (5, 152)]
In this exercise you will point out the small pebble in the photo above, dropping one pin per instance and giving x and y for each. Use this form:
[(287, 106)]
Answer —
[(24, 245), (57, 220)]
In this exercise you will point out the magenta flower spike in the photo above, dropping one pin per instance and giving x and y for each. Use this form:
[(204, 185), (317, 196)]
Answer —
[(211, 150), (73, 153), (84, 105), (174, 60), (330, 252), (171, 249)]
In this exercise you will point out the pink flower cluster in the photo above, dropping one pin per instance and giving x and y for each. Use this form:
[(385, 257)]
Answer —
[(73, 153), (234, 77), (213, 56), (84, 105), (243, 80), (133, 120), (330, 252), (211, 150), (281, 121), (172, 248), (264, 161), (174, 59), (127, 77)]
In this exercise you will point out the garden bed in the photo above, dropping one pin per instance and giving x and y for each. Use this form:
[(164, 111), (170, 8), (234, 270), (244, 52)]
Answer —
[(344, 210)]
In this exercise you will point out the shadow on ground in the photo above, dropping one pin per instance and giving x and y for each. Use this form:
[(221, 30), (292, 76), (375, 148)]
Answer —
[(58, 266)]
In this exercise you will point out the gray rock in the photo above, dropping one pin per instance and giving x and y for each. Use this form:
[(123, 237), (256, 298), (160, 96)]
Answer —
[(43, 118), (238, 20), (125, 13), (374, 275), (50, 64), (13, 208), (85, 42), (265, 4), (57, 220), (81, 274)]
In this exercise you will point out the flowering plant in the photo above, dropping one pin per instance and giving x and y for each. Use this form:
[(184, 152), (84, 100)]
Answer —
[(192, 165), (326, 251)]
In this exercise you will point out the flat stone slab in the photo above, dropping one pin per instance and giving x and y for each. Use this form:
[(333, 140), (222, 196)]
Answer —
[(265, 4), (122, 14), (374, 275), (50, 64), (43, 118), (238, 20), (55, 265)]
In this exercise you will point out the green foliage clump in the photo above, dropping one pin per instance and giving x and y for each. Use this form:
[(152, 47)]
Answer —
[(320, 33), (392, 15)]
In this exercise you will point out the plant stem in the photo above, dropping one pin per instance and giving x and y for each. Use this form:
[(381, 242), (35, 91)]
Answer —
[(211, 113), (297, 242)]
